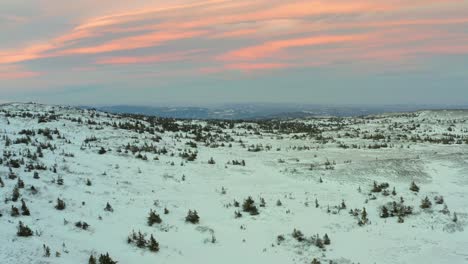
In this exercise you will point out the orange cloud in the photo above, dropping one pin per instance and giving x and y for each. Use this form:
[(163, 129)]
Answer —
[(175, 56), (269, 48), (135, 42), (15, 72)]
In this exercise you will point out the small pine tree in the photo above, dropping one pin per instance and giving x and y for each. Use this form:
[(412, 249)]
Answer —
[(140, 241), (455, 218), (60, 204), (1, 183), (315, 261), (20, 183), (166, 211), (400, 219), (364, 219), (426, 203), (59, 180), (192, 217), (24, 208), (14, 211), (343, 205), (384, 212), (298, 235), (88, 182), (106, 259), (394, 191), (153, 218), (24, 230), (414, 187), (153, 245), (249, 206), (92, 260), (316, 203), (326, 240), (237, 214), (16, 194), (278, 203), (102, 151), (108, 208), (46, 251)]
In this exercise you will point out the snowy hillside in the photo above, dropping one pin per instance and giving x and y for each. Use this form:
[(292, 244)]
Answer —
[(326, 190)]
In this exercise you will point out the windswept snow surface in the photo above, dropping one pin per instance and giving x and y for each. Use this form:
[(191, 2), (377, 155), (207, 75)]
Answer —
[(296, 162)]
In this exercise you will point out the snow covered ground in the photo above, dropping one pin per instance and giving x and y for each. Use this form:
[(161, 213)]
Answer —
[(304, 170)]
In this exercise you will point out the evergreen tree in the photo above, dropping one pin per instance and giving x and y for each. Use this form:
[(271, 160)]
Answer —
[(426, 203), (192, 217), (23, 230), (414, 187), (14, 211), (326, 240), (249, 206), (384, 212), (92, 260), (60, 204), (16, 194), (20, 183), (24, 208), (106, 259), (153, 218), (108, 208), (153, 244)]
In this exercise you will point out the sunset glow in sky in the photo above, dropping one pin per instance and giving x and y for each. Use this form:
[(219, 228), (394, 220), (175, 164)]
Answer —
[(214, 51)]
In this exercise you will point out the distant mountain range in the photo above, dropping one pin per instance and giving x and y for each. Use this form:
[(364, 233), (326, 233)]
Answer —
[(265, 111)]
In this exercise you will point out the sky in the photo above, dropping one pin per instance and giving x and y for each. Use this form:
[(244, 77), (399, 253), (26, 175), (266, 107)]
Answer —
[(142, 52)]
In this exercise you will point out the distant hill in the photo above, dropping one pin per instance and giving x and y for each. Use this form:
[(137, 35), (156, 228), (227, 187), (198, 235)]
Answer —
[(265, 111)]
